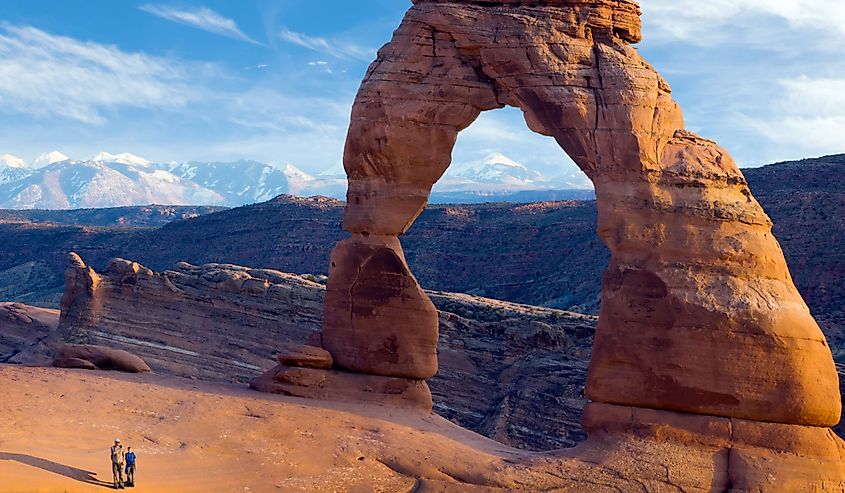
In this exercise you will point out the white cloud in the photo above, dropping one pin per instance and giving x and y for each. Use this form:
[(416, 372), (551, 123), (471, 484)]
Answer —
[(49, 84), (696, 20), (336, 48), (824, 97), (200, 18), (272, 126), (45, 75), (267, 109), (808, 118)]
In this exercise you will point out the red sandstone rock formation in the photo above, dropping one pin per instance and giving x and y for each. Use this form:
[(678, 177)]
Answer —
[(699, 312), (306, 371)]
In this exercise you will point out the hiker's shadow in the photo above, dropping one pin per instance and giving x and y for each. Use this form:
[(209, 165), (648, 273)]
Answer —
[(77, 474)]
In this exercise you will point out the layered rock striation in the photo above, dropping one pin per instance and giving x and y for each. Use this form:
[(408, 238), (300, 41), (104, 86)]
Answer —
[(216, 321), (700, 320)]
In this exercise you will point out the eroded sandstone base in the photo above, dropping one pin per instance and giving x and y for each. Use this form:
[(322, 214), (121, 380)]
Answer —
[(380, 321), (306, 371), (332, 385)]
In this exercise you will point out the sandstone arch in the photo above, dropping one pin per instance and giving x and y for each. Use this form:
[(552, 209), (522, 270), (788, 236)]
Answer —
[(699, 313)]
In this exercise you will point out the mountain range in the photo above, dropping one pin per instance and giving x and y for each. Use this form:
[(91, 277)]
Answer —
[(55, 181)]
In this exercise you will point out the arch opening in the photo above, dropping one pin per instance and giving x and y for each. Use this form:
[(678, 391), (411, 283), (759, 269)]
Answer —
[(499, 159)]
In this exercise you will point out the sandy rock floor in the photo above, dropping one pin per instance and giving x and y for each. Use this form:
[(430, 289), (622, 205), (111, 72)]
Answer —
[(56, 427)]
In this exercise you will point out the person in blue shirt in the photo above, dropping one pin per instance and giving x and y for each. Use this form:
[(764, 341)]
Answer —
[(130, 467)]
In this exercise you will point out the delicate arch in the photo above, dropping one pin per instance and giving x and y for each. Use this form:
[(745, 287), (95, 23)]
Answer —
[(697, 299)]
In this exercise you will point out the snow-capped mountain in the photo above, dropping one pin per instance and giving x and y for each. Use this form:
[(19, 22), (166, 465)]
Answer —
[(498, 173), (124, 158), (83, 184), (239, 182), (53, 181), (246, 182), (496, 169), (297, 179), (10, 161), (47, 158), (12, 168)]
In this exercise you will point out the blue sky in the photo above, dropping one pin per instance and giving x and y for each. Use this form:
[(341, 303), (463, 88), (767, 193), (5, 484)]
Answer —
[(274, 80)]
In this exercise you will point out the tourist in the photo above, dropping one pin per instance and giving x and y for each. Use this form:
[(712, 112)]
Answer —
[(117, 463), (130, 467)]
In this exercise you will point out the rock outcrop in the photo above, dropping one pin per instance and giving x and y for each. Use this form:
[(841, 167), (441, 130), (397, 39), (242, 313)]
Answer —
[(215, 322), (307, 371), (700, 319), (332, 385), (395, 340)]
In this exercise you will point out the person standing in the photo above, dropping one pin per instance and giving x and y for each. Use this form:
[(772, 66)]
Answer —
[(130, 467), (117, 461)]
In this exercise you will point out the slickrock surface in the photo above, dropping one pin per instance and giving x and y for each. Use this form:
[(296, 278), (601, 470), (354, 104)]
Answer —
[(699, 313), (512, 372), (208, 438)]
